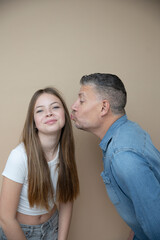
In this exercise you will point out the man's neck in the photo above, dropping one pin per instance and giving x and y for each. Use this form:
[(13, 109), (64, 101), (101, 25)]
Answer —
[(106, 124)]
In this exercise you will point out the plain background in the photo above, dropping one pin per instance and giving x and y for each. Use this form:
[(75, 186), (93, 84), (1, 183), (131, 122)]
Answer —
[(55, 43)]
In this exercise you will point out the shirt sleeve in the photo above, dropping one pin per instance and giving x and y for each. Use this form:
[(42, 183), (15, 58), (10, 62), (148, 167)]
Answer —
[(135, 177), (15, 168)]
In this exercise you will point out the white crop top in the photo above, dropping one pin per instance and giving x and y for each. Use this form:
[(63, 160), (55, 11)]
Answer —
[(16, 169)]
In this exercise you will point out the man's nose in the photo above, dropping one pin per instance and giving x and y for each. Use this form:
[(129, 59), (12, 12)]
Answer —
[(74, 106)]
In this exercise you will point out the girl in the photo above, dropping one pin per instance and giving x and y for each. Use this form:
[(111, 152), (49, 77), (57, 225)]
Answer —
[(39, 172)]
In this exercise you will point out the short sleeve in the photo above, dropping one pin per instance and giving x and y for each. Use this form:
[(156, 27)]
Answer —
[(16, 165)]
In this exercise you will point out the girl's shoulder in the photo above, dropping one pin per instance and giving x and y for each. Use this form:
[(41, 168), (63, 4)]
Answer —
[(19, 151), (16, 165), (18, 156)]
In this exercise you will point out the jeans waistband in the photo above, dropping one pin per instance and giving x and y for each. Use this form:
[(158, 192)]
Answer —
[(51, 222)]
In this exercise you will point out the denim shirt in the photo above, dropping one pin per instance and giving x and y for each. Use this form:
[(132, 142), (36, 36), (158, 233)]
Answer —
[(132, 177)]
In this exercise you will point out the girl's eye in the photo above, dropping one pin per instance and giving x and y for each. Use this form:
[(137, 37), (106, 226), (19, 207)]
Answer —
[(55, 107), (39, 111)]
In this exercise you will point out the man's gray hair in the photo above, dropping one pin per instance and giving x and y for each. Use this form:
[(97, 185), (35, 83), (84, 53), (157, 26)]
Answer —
[(109, 87)]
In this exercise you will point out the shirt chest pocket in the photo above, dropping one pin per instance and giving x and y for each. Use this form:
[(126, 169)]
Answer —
[(111, 189)]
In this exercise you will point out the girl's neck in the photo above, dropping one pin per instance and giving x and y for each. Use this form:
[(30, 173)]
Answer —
[(50, 146)]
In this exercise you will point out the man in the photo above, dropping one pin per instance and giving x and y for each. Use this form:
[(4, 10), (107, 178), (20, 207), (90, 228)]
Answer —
[(131, 162)]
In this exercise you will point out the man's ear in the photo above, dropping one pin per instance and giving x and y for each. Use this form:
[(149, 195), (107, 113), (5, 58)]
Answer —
[(105, 107)]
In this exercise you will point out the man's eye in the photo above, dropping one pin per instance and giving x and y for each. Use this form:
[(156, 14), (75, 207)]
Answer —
[(81, 101)]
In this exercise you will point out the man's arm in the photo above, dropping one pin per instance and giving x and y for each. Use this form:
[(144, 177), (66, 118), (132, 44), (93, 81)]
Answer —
[(139, 183)]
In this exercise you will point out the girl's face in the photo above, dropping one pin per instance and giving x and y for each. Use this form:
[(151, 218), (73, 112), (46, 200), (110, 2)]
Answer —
[(49, 115)]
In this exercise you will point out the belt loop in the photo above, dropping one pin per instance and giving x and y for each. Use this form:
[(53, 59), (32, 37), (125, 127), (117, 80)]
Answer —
[(50, 224), (50, 221), (43, 227), (32, 229)]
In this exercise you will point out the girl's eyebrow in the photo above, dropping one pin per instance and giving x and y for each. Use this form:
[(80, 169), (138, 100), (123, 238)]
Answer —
[(49, 104), (54, 103)]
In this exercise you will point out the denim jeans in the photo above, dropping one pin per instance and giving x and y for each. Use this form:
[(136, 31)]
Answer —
[(44, 231)]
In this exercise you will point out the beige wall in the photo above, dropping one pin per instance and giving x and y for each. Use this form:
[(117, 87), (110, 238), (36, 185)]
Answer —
[(56, 42)]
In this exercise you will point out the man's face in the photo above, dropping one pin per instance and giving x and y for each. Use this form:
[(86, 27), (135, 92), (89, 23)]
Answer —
[(87, 108)]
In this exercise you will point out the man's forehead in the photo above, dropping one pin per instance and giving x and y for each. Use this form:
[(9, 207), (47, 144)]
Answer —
[(85, 90)]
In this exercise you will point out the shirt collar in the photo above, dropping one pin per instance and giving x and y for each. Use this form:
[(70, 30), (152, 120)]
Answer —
[(111, 131)]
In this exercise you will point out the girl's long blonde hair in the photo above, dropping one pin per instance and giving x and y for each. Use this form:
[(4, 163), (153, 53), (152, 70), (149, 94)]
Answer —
[(40, 189)]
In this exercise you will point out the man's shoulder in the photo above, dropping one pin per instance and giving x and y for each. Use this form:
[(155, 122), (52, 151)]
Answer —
[(129, 136), (130, 127)]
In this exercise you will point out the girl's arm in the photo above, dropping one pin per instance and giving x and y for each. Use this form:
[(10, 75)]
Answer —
[(9, 200), (65, 214)]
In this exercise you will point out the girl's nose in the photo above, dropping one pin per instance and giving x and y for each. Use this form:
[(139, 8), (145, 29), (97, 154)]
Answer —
[(49, 113)]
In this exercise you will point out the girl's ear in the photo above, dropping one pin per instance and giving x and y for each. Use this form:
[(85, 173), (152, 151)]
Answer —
[(105, 107)]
